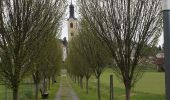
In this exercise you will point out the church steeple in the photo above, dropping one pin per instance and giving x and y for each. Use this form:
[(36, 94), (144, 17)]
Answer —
[(71, 10), (72, 23)]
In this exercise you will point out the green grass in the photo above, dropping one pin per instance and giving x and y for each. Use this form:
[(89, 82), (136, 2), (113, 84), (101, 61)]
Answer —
[(26, 92), (150, 87)]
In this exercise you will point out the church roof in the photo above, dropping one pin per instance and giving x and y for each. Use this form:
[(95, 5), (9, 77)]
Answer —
[(71, 11), (65, 41)]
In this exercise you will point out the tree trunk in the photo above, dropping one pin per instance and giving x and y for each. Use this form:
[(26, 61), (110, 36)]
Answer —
[(53, 79), (78, 80), (36, 91), (44, 85), (127, 93), (36, 83), (49, 83), (15, 93), (81, 82), (75, 79), (98, 88), (87, 85)]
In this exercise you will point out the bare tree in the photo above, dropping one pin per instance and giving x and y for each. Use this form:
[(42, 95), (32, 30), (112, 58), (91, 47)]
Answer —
[(23, 23), (76, 65), (47, 61), (126, 26), (54, 59), (92, 51)]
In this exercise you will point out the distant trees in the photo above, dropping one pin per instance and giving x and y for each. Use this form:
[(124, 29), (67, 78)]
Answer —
[(91, 51), (150, 51), (47, 63), (77, 66), (125, 26), (24, 24)]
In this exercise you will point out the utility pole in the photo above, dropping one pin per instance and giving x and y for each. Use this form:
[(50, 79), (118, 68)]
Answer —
[(166, 21)]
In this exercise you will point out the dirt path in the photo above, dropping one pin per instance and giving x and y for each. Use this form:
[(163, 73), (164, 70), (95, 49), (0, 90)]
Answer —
[(65, 91)]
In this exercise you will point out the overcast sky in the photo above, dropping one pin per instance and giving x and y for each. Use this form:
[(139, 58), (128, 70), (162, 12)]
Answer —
[(65, 29)]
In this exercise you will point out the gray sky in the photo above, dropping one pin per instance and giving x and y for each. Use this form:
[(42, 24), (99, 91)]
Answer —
[(65, 29), (161, 40)]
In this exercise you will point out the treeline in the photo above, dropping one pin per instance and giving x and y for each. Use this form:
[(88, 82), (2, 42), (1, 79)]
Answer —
[(114, 33), (29, 45)]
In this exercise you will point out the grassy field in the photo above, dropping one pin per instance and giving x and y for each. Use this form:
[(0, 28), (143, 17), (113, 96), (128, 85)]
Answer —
[(150, 87), (26, 92)]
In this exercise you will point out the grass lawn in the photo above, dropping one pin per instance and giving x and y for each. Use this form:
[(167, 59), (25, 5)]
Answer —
[(26, 92), (150, 87)]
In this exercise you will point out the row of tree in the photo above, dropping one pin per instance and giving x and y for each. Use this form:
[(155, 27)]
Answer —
[(114, 33), (28, 41)]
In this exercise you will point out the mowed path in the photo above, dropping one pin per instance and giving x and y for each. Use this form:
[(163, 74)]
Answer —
[(65, 91)]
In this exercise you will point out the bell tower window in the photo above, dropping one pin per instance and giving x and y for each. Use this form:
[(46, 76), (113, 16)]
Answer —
[(71, 25), (72, 34)]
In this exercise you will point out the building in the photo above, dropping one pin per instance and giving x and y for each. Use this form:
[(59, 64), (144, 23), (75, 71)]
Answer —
[(63, 43), (64, 48), (160, 61), (72, 23), (72, 31)]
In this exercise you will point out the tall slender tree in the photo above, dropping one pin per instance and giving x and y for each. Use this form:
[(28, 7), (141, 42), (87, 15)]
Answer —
[(47, 62), (92, 51), (125, 26), (22, 24)]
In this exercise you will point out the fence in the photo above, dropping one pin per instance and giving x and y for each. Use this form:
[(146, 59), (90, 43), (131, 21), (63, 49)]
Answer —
[(26, 91)]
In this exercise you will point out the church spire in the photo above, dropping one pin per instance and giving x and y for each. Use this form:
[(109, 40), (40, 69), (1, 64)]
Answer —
[(71, 10)]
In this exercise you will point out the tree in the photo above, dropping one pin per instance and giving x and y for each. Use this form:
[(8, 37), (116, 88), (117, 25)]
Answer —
[(54, 59), (23, 23), (92, 51), (78, 65), (150, 51), (125, 26), (46, 63)]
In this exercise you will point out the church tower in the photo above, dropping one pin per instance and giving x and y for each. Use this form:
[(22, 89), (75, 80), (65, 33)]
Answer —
[(72, 23)]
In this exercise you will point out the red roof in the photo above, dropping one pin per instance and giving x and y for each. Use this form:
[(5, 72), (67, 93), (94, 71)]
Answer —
[(159, 61)]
